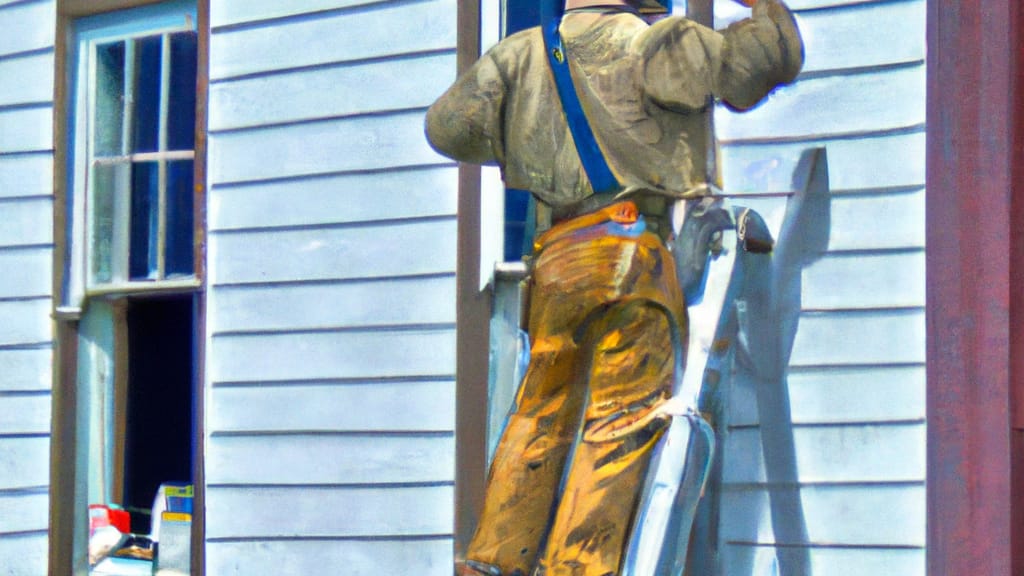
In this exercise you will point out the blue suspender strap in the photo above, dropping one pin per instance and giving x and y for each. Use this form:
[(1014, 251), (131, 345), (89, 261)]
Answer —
[(594, 164)]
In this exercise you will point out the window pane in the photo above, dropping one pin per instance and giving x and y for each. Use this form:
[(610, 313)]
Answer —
[(179, 258), (101, 229), (109, 99), (517, 217), (181, 119), (146, 113), (144, 221)]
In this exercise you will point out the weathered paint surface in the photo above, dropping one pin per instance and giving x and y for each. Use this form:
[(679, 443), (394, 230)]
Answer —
[(974, 284), (26, 256), (856, 375), (331, 317)]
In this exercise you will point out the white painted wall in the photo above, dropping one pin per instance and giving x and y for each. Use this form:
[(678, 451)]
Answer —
[(331, 316), (856, 376), (26, 257)]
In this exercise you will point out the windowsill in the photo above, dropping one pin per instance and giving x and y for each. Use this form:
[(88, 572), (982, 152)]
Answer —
[(188, 284)]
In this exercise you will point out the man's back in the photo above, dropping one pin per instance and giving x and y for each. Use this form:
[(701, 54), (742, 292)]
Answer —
[(645, 89)]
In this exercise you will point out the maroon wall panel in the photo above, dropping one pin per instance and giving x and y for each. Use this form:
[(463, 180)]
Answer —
[(971, 137)]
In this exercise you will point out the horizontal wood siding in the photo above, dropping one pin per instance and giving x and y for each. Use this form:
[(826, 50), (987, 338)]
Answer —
[(856, 377), (430, 555), (26, 257), (331, 316)]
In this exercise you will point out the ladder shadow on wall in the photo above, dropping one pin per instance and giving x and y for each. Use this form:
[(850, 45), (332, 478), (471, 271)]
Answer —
[(767, 319)]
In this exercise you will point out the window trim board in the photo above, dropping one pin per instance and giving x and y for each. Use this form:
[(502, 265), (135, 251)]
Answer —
[(64, 550)]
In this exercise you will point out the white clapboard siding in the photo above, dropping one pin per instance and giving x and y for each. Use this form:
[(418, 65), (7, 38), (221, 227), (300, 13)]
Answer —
[(26, 129), (880, 393), (24, 414), (878, 221), (24, 463), (838, 395), (836, 454), (25, 370), (331, 459), (331, 286), (24, 554), (864, 515), (342, 90), (25, 322), (26, 174), (856, 375), (365, 407), (328, 511), (815, 4), (326, 355), (865, 280), (24, 511), (738, 559), (26, 261), (335, 145), (863, 35), (382, 249), (20, 93), (336, 199), (385, 29), (388, 302), (28, 26), (27, 272), (850, 103), (884, 160), (228, 12), (430, 556), (891, 220), (860, 337), (28, 222)]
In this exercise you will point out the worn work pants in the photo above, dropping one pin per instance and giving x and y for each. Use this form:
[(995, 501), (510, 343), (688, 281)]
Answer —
[(564, 484)]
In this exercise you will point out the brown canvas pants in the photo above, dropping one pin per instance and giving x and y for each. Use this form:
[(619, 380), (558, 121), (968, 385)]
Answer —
[(563, 487)]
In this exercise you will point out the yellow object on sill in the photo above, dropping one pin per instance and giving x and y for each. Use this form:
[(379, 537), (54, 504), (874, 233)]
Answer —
[(176, 517)]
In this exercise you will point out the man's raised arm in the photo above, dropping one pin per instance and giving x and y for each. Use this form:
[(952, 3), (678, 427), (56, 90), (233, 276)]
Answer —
[(686, 63)]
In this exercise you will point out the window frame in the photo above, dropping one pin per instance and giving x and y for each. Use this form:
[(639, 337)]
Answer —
[(156, 19), (119, 264), (68, 519)]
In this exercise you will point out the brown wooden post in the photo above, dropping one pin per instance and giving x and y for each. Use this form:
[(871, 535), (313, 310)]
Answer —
[(973, 286), (473, 316), (1016, 74), (199, 302)]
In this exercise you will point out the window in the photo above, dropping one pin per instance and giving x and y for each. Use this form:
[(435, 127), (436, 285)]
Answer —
[(138, 164), (130, 276)]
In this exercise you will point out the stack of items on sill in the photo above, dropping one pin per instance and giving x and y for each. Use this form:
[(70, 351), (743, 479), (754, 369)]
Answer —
[(166, 551)]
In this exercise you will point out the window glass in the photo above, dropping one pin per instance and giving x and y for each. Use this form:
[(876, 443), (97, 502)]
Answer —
[(180, 259), (110, 99), (102, 222), (146, 109), (181, 114), (145, 223)]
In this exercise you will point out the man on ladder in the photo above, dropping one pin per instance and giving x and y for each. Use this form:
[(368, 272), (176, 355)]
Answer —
[(602, 118)]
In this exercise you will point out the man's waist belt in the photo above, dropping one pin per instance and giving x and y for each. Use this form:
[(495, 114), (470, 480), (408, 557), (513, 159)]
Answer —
[(624, 212), (654, 208)]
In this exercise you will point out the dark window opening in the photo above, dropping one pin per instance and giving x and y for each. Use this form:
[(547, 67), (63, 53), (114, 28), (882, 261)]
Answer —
[(159, 427)]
